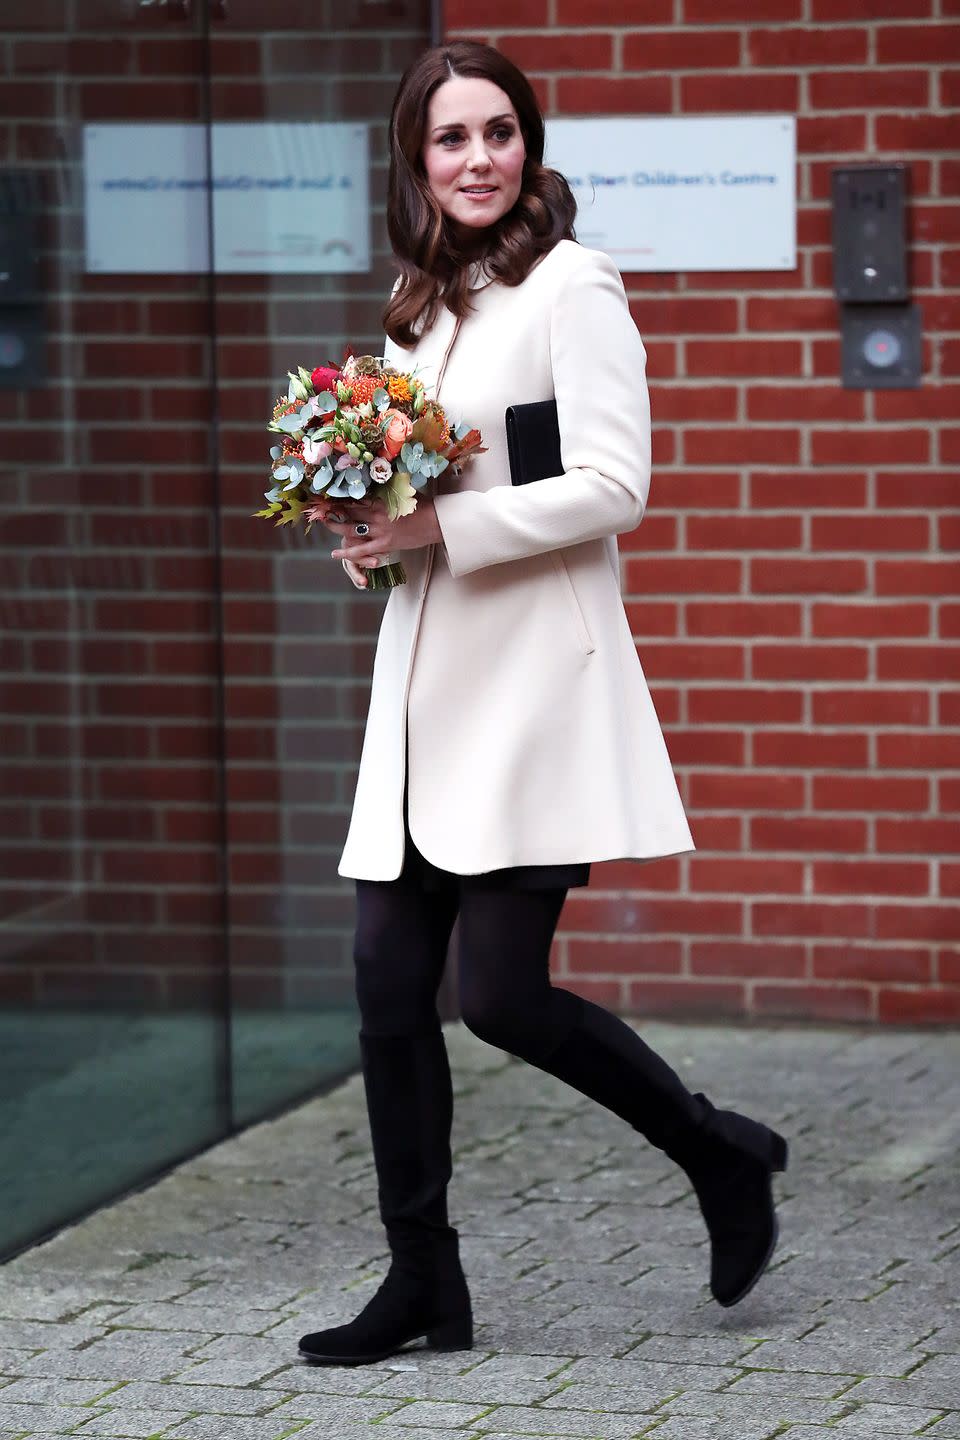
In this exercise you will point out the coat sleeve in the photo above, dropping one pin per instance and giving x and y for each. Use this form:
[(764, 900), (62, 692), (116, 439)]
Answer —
[(599, 364)]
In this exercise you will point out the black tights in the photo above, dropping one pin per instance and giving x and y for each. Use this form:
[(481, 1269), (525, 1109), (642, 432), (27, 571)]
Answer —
[(506, 997)]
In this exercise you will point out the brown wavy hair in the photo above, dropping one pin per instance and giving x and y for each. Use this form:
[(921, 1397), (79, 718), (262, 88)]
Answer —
[(434, 268)]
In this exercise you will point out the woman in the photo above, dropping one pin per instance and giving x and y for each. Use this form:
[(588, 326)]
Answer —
[(511, 739)]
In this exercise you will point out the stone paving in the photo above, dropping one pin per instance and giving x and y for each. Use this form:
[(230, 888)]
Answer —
[(176, 1312)]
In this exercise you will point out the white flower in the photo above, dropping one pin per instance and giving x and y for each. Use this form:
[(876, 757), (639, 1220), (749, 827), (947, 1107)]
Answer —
[(380, 470), (315, 450)]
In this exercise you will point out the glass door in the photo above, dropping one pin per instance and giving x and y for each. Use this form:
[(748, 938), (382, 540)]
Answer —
[(191, 204), (113, 967)]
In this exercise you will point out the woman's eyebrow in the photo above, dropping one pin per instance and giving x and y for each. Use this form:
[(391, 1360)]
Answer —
[(459, 124)]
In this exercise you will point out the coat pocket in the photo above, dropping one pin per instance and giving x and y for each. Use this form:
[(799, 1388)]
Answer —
[(573, 603)]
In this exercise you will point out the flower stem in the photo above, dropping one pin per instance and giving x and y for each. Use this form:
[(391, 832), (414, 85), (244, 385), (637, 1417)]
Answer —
[(385, 577)]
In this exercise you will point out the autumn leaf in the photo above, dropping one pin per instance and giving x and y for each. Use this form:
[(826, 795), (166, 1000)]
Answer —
[(469, 445), (429, 431), (398, 495), (293, 513)]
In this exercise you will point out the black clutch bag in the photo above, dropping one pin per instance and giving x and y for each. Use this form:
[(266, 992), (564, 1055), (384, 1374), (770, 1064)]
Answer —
[(533, 441)]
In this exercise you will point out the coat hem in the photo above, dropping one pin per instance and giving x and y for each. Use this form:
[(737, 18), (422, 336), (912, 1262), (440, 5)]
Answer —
[(579, 860)]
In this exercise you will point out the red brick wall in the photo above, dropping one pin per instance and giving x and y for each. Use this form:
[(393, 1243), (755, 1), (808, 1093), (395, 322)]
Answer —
[(793, 588)]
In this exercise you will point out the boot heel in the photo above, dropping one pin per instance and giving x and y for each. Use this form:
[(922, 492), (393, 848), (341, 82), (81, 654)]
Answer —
[(452, 1334), (779, 1151)]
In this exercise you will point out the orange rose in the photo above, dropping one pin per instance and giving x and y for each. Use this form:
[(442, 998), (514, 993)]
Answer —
[(396, 433)]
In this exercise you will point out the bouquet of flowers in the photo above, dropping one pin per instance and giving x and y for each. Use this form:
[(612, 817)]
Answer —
[(360, 431)]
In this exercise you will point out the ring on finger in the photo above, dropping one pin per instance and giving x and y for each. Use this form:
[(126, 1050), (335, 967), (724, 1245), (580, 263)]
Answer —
[(362, 529)]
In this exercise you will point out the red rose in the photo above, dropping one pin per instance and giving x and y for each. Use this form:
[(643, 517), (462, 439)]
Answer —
[(325, 377)]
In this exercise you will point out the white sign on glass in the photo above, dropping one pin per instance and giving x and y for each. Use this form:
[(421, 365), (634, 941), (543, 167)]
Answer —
[(287, 198), (683, 193)]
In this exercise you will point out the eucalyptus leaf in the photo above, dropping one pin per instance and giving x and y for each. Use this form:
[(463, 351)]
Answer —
[(433, 464), (322, 477), (411, 455)]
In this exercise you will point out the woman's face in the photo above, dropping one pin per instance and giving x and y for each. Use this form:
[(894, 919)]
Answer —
[(473, 153)]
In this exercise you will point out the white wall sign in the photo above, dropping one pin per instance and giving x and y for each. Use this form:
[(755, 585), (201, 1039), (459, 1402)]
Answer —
[(286, 198), (683, 193)]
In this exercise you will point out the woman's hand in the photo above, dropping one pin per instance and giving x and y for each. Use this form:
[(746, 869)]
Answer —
[(358, 576), (410, 532)]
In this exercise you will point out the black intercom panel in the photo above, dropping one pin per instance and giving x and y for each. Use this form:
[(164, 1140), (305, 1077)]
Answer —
[(22, 312), (881, 347), (880, 329), (869, 234)]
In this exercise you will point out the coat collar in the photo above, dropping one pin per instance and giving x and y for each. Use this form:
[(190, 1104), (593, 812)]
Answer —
[(478, 275)]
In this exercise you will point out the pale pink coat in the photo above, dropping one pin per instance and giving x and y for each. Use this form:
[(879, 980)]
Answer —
[(507, 655)]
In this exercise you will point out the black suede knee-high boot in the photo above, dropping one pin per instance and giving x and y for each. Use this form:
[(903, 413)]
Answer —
[(728, 1157), (410, 1108)]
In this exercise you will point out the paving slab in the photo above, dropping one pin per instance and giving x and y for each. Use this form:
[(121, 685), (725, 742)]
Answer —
[(888, 1419), (211, 1427), (685, 1428), (137, 1424), (471, 1389), (532, 1420), (177, 1310)]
